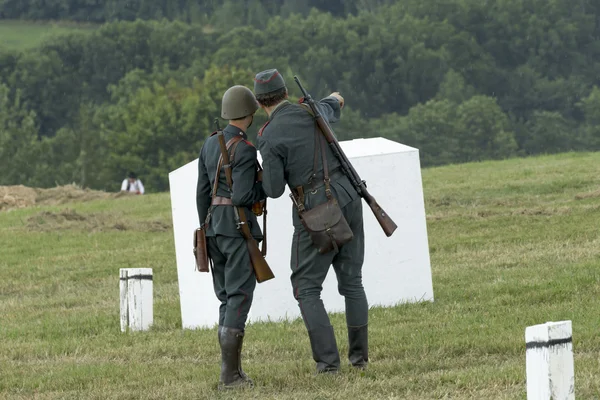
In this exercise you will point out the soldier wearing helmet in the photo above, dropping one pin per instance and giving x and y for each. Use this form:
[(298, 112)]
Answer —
[(233, 275)]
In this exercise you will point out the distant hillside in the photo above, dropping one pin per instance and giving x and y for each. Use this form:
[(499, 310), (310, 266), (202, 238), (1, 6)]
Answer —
[(23, 35), (251, 11)]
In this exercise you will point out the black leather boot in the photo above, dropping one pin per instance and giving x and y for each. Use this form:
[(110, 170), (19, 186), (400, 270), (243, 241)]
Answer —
[(232, 376), (324, 349), (358, 346)]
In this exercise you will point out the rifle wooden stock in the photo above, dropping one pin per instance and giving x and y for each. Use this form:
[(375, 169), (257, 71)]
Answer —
[(262, 271), (386, 223), (384, 220), (261, 268)]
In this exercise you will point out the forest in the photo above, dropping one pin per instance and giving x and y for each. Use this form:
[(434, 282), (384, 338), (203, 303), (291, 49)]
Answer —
[(461, 80)]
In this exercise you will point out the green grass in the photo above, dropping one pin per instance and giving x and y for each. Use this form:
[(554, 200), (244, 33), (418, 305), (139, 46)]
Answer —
[(513, 244), (23, 35)]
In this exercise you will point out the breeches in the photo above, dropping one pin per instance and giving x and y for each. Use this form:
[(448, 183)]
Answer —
[(233, 279), (309, 269)]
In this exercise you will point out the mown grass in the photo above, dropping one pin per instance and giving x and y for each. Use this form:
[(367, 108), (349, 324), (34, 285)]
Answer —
[(23, 35), (513, 244)]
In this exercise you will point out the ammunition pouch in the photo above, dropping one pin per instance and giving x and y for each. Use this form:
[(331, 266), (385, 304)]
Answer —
[(201, 250), (327, 227), (325, 223)]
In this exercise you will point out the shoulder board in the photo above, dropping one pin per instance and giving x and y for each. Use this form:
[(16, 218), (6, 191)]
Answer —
[(260, 132), (214, 133), (249, 143)]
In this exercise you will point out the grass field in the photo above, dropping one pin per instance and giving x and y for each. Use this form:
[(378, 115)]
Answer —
[(513, 244), (23, 35)]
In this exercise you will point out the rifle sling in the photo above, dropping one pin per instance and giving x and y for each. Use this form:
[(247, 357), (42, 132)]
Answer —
[(319, 148), (234, 141), (231, 146)]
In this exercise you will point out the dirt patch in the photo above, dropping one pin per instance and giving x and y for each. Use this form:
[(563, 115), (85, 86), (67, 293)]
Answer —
[(69, 219), (12, 197), (587, 195), (543, 211), (493, 213)]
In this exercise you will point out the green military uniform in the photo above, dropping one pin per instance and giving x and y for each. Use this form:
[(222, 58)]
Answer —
[(233, 276), (287, 147)]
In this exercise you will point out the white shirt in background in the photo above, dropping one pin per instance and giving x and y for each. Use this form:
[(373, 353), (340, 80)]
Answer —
[(133, 187)]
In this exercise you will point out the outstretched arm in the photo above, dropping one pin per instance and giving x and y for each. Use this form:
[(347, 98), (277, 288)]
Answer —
[(331, 107)]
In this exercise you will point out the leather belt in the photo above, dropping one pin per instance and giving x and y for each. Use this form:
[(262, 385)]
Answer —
[(334, 175), (221, 201)]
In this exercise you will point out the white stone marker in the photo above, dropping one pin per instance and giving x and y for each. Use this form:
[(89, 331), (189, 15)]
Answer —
[(396, 269), (550, 368), (137, 312)]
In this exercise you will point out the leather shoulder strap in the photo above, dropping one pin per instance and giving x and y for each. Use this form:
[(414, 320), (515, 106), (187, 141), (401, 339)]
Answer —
[(319, 147), (234, 141)]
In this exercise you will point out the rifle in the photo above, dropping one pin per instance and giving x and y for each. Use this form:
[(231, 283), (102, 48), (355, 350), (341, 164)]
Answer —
[(261, 268), (383, 218)]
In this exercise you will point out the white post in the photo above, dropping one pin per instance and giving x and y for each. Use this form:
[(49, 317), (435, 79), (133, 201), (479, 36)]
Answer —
[(136, 299), (123, 291), (550, 367)]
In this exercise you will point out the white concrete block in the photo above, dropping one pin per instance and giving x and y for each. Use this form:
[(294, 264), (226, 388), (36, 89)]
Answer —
[(550, 367), (136, 299), (396, 269)]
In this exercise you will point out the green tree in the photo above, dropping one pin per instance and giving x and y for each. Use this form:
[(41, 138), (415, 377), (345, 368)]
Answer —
[(590, 106), (484, 131), (433, 129), (157, 128), (455, 88), (18, 140), (549, 132)]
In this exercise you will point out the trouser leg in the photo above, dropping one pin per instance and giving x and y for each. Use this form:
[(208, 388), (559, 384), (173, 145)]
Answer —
[(234, 285), (309, 269), (240, 281), (218, 275), (348, 268)]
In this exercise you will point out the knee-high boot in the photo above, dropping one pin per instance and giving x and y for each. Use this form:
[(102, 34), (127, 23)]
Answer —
[(358, 345), (324, 349), (232, 375)]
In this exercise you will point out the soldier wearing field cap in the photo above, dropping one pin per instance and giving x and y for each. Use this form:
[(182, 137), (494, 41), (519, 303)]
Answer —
[(233, 275), (287, 145)]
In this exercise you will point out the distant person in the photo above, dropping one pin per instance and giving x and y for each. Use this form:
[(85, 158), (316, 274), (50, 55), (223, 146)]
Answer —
[(132, 184)]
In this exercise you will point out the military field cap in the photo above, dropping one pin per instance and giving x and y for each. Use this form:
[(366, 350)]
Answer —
[(268, 81)]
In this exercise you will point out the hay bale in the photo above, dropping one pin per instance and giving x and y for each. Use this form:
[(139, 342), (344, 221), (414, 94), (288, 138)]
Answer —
[(20, 196)]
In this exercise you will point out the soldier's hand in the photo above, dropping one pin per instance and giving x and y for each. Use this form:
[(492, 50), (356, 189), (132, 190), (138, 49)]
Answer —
[(338, 96), (259, 176)]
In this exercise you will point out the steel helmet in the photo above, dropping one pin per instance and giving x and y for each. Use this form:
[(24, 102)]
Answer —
[(238, 102)]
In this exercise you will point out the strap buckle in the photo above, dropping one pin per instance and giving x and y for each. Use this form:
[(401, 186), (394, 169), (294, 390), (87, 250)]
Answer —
[(327, 187)]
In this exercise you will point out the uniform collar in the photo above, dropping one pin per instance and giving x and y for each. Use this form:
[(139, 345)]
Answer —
[(278, 107), (234, 130)]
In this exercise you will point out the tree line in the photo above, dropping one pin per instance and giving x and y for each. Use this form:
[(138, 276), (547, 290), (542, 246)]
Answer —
[(461, 80), (192, 11)]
